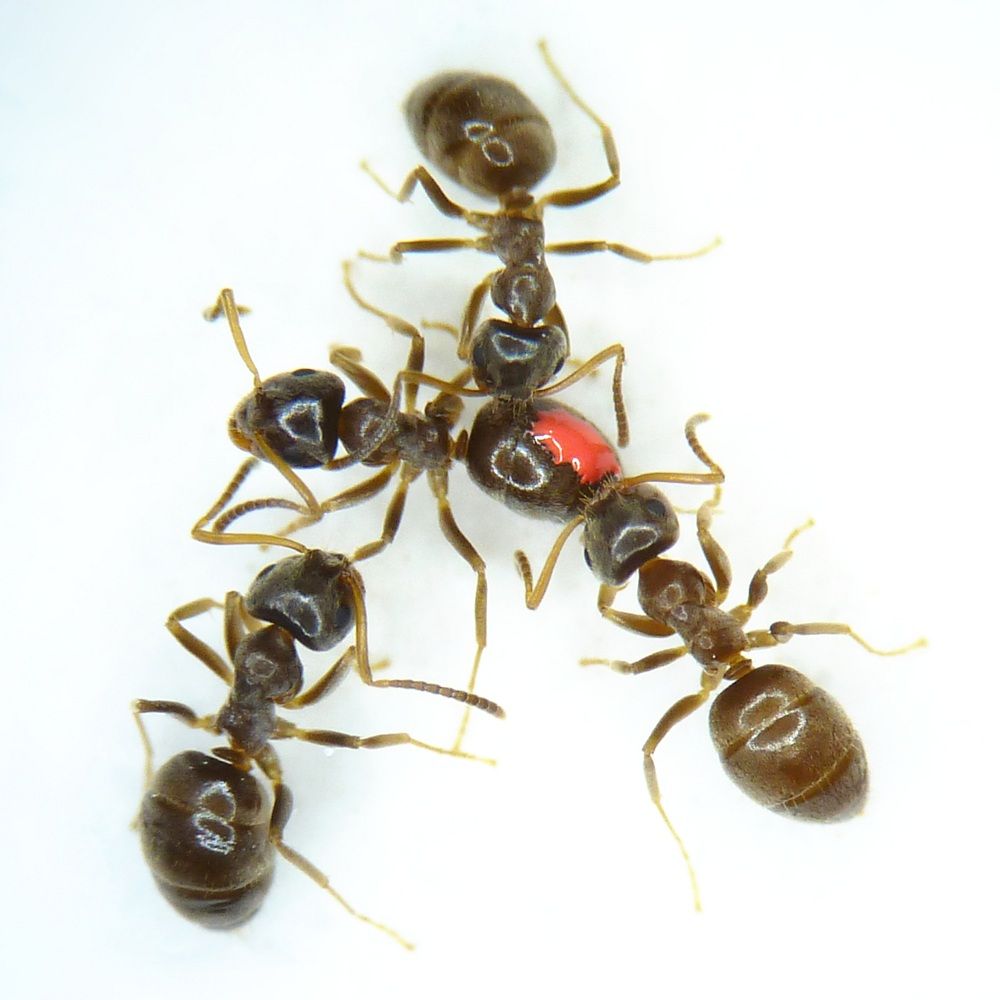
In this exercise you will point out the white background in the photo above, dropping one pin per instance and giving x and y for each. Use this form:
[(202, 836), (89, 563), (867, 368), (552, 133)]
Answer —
[(842, 339)]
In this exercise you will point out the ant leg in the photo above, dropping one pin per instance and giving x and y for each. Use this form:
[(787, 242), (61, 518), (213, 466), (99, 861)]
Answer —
[(393, 515), (579, 196), (284, 730), (280, 814), (651, 662), (781, 632), (617, 352), (346, 359), (326, 683), (356, 587), (714, 554), (678, 711), (234, 625), (471, 316), (396, 251), (449, 528), (421, 176), (758, 584), (533, 594), (642, 624), (195, 646), (180, 712), (629, 253), (415, 361)]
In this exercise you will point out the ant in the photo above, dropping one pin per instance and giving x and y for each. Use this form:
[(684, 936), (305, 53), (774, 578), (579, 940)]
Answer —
[(486, 135), (208, 832), (785, 742), (317, 596), (374, 430)]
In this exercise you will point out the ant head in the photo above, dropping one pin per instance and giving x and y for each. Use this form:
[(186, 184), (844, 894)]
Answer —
[(308, 595), (267, 666), (294, 414), (514, 361), (665, 584), (624, 528)]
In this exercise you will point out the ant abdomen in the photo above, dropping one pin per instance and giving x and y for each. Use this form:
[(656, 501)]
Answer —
[(205, 828), (789, 745), (481, 131)]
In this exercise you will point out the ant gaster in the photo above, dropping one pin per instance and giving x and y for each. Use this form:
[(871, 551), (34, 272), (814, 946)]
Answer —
[(208, 831), (784, 741)]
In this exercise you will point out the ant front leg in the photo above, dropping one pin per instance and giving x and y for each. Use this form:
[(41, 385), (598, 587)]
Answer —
[(471, 316), (195, 646), (714, 554), (641, 624)]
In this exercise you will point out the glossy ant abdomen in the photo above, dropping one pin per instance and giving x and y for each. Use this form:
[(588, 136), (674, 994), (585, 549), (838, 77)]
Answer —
[(784, 741)]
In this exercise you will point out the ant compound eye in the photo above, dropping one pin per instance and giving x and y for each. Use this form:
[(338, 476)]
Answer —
[(587, 559), (344, 618), (656, 508), (303, 372)]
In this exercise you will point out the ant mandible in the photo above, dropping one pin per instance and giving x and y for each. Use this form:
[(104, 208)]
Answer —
[(785, 742)]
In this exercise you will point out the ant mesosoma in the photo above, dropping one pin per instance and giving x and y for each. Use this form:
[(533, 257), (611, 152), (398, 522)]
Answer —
[(208, 832), (784, 741), (489, 137)]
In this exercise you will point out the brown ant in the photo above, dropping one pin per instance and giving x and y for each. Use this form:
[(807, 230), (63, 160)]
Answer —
[(784, 741), (208, 832), (375, 430), (489, 137)]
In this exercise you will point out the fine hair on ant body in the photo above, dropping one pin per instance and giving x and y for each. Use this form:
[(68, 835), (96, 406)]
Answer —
[(784, 741), (486, 135), (208, 832)]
